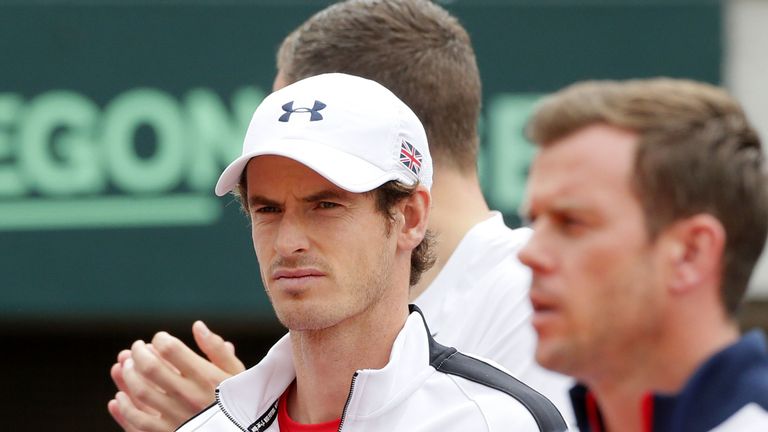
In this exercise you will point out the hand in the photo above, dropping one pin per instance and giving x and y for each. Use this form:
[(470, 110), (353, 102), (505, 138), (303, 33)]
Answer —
[(164, 383)]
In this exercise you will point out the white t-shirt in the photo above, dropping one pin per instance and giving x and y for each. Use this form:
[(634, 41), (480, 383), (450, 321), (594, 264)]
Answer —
[(479, 304)]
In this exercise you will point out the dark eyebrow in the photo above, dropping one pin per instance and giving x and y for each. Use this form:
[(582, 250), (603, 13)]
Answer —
[(323, 196), (258, 200)]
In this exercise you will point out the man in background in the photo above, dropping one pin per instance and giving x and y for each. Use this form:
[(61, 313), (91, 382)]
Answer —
[(648, 200), (475, 297)]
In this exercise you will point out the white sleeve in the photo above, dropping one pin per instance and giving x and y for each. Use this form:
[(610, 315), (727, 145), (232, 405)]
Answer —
[(495, 320)]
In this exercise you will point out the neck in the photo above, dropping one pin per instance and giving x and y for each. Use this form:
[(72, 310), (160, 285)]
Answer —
[(457, 206), (620, 404), (691, 336), (325, 360)]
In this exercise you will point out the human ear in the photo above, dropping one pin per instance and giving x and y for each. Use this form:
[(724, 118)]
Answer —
[(414, 213), (694, 248)]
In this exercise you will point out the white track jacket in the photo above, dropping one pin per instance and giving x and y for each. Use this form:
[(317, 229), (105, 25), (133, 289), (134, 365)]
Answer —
[(424, 387)]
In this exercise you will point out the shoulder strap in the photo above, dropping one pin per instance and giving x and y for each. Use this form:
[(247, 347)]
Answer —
[(450, 361), (542, 409)]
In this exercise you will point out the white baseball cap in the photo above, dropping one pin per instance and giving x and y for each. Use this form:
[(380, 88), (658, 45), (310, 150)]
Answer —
[(351, 130)]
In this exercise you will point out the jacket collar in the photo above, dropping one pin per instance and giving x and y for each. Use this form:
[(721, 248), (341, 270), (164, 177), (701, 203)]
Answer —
[(695, 403), (700, 404), (249, 398)]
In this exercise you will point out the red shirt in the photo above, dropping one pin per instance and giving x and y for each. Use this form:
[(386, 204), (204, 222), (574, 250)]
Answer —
[(287, 424)]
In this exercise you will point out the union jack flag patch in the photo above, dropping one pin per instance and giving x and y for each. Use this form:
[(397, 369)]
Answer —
[(410, 157)]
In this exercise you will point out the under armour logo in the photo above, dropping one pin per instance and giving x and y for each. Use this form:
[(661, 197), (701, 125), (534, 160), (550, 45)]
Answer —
[(315, 111)]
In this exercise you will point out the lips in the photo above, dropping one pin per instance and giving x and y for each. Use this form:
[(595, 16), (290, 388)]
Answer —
[(540, 304), (296, 273), (295, 281), (545, 311)]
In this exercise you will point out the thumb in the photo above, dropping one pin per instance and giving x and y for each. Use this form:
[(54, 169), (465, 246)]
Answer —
[(218, 351)]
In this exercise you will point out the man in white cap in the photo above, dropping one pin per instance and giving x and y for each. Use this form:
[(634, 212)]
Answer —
[(335, 175), (474, 296)]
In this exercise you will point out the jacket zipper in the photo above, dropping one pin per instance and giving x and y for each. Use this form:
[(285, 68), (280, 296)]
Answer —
[(346, 404), (221, 407)]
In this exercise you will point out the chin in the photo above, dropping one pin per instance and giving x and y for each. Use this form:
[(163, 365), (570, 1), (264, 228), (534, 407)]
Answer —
[(552, 357), (302, 324), (300, 319)]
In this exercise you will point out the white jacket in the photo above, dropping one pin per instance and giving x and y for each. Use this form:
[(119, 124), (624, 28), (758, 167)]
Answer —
[(484, 283), (424, 387)]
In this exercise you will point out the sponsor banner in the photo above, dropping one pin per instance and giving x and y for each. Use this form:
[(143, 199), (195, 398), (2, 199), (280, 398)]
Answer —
[(117, 117)]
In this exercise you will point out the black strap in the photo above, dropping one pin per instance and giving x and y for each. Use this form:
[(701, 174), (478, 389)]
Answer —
[(547, 417), (450, 361)]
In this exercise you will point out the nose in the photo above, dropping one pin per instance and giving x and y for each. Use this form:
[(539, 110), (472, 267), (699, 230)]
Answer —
[(534, 254), (291, 236)]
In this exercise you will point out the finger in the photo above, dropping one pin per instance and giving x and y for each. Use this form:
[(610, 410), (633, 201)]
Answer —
[(192, 393), (151, 399), (231, 348), (116, 372), (218, 351), (123, 355), (114, 411), (165, 362), (153, 368), (142, 392), (189, 363), (138, 419), (176, 397), (197, 379)]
